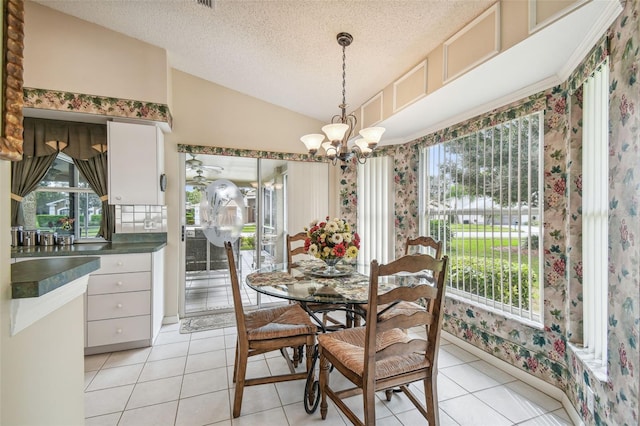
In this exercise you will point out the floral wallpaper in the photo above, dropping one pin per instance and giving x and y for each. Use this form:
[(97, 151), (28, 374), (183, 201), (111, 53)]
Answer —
[(97, 105), (548, 352)]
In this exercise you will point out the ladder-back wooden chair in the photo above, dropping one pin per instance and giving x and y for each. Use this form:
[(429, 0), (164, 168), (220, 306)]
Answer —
[(266, 330), (408, 307), (295, 247), (381, 355), (294, 240)]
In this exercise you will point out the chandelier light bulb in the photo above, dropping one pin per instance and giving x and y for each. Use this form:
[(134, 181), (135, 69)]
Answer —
[(336, 131), (330, 150), (372, 135), (363, 146), (312, 142)]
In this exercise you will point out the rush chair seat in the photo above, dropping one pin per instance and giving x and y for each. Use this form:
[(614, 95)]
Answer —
[(266, 330), (381, 355)]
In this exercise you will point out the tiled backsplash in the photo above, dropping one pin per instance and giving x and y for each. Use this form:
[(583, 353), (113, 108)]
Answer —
[(135, 219)]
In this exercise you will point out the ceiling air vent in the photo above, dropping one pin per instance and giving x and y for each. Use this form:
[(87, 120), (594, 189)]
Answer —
[(208, 3)]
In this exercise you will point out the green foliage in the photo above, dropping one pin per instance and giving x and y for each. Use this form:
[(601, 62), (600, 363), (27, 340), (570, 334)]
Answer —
[(490, 278), (53, 220), (441, 230), (194, 197), (49, 220), (247, 243), (535, 242)]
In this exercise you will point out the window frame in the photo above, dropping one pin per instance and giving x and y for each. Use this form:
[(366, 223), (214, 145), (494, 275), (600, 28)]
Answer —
[(532, 314), (72, 191)]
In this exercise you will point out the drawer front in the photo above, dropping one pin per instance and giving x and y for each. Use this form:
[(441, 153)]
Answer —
[(117, 305), (119, 283), (118, 263), (119, 330)]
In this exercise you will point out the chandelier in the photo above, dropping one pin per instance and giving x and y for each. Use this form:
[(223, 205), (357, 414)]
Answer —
[(340, 131)]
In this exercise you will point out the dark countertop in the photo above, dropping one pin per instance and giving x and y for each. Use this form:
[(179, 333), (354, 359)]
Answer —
[(87, 249), (34, 278)]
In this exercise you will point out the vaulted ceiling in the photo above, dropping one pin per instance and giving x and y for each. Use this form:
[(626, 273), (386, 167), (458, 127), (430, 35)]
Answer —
[(285, 52)]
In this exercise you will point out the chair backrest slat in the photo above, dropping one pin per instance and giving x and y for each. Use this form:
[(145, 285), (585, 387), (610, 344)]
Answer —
[(235, 289), (405, 322), (422, 291), (294, 251), (430, 318), (425, 242)]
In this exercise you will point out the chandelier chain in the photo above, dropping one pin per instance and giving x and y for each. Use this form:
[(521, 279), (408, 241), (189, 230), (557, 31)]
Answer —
[(344, 80)]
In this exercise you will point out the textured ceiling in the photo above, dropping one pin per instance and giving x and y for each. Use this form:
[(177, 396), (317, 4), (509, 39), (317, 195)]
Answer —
[(285, 51)]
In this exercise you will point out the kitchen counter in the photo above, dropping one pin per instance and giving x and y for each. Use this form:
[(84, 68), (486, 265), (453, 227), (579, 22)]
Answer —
[(121, 244), (86, 249), (38, 277), (39, 287)]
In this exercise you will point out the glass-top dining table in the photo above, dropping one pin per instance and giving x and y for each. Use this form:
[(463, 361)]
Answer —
[(317, 291), (308, 283)]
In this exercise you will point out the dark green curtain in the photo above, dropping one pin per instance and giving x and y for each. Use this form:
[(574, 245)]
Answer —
[(25, 177), (95, 171), (83, 142)]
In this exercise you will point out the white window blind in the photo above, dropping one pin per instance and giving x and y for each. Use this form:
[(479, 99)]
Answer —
[(307, 194), (375, 210), (480, 197), (595, 211)]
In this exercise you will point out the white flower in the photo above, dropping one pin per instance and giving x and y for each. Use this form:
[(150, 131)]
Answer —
[(313, 250), (331, 227), (336, 238), (347, 237)]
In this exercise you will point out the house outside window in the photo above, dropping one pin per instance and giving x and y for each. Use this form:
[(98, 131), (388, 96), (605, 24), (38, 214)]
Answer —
[(480, 197), (64, 202)]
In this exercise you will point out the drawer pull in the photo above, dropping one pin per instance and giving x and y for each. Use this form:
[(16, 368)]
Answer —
[(119, 306), (119, 263), (119, 283), (118, 331)]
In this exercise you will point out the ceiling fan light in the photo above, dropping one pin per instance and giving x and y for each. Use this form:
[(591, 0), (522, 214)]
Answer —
[(372, 135), (335, 131), (312, 142), (193, 163)]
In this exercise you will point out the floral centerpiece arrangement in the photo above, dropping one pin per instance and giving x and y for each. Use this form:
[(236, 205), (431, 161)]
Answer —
[(66, 223), (331, 240)]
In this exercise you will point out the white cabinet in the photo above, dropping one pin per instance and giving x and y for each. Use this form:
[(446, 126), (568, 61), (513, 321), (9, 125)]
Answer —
[(124, 305), (136, 164)]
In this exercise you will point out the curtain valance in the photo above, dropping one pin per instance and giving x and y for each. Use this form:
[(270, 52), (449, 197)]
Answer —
[(80, 141)]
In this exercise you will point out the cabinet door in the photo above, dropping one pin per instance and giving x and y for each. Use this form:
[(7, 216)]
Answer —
[(134, 164)]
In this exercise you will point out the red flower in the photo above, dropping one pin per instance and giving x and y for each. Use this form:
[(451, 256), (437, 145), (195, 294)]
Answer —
[(339, 250)]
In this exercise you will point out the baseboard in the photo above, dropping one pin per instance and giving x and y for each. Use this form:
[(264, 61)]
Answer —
[(529, 379), (171, 319)]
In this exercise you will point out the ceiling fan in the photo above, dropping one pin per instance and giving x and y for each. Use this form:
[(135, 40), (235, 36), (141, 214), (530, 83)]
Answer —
[(199, 181), (194, 164)]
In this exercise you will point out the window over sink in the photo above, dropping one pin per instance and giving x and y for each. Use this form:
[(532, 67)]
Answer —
[(64, 202)]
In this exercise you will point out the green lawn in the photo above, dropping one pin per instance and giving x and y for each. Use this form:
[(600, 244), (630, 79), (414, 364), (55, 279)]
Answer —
[(496, 248)]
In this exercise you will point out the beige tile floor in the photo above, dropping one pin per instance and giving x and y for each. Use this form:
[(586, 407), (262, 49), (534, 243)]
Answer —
[(185, 379)]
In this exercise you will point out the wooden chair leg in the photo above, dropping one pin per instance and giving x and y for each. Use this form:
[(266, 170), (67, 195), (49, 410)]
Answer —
[(235, 364), (324, 383), (369, 399), (241, 364), (431, 399)]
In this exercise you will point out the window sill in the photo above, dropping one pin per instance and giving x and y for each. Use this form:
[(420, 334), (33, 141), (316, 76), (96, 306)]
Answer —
[(598, 370)]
